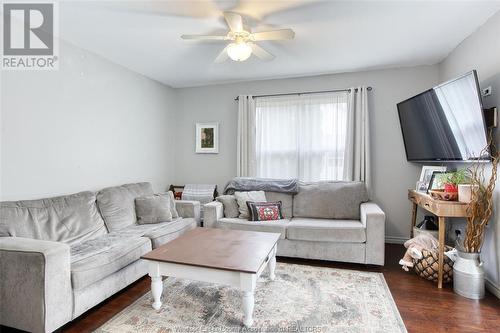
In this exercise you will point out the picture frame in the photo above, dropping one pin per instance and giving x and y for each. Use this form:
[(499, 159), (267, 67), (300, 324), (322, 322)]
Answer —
[(434, 184), (426, 176), (207, 138)]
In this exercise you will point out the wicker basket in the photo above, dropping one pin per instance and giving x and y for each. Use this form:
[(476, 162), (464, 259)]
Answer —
[(427, 267)]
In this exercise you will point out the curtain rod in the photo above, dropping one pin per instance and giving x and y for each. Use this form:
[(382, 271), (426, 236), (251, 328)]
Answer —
[(304, 93)]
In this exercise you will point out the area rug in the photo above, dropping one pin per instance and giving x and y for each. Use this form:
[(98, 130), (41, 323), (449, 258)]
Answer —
[(300, 299)]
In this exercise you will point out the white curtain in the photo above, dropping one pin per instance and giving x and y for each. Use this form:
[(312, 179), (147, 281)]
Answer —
[(302, 136), (245, 152), (357, 153)]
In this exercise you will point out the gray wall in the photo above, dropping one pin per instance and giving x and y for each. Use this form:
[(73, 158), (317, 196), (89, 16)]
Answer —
[(89, 125), (392, 174), (481, 51)]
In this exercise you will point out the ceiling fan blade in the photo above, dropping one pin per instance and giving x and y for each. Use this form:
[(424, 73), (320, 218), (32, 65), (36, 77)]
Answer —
[(260, 52), (204, 37), (274, 35), (234, 21), (222, 56)]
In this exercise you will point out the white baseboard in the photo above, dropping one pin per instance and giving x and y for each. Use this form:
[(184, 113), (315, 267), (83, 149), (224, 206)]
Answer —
[(395, 240), (493, 288)]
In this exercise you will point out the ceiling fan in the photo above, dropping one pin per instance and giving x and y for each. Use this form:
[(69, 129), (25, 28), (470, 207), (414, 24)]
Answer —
[(242, 40)]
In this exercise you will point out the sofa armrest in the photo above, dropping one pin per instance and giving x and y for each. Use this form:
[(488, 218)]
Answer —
[(374, 220), (35, 284), (212, 212), (188, 209)]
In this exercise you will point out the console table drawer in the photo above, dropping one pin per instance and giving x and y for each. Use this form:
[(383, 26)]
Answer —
[(438, 207)]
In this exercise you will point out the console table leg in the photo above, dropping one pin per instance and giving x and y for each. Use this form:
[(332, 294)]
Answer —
[(442, 230), (413, 218), (156, 290), (248, 304)]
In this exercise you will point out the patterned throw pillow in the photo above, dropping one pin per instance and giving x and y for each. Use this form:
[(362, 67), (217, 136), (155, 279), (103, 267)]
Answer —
[(264, 211)]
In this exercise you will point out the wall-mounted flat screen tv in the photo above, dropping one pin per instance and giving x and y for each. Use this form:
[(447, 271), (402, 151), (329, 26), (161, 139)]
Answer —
[(445, 123)]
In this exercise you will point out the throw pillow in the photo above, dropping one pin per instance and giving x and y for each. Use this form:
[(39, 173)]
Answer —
[(173, 208), (230, 205), (264, 211), (243, 197), (153, 209)]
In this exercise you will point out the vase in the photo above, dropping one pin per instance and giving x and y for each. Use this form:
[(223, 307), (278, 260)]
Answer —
[(465, 192), (468, 275)]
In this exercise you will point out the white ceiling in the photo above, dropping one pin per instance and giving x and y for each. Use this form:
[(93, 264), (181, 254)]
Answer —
[(331, 36)]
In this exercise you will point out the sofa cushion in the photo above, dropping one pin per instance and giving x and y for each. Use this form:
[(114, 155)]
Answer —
[(97, 258), (117, 204), (324, 230), (158, 233), (153, 209), (230, 205), (278, 226), (329, 200), (162, 233), (70, 219), (243, 197), (286, 202)]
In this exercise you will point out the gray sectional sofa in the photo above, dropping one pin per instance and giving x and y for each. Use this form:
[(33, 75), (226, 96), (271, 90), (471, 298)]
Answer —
[(61, 256), (324, 220)]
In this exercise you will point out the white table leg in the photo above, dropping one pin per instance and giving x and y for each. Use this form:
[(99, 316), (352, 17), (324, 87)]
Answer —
[(248, 304), (247, 286), (272, 264), (156, 290)]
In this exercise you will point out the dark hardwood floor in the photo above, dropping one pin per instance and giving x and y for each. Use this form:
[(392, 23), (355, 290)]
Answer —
[(423, 307)]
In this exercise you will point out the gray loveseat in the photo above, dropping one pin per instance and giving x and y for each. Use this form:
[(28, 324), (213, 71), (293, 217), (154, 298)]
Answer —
[(61, 256), (324, 220)]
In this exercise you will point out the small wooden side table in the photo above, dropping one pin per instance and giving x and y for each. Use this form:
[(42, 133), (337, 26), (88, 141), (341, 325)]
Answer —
[(442, 209)]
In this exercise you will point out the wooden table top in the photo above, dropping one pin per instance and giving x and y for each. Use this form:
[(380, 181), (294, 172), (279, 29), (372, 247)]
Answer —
[(233, 250)]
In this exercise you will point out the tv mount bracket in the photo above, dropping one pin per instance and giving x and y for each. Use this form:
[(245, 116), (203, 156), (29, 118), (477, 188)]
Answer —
[(490, 117)]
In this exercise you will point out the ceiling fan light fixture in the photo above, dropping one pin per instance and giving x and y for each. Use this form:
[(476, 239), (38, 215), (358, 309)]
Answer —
[(239, 51)]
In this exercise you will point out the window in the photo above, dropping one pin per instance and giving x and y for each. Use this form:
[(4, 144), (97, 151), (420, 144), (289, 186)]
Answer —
[(302, 136)]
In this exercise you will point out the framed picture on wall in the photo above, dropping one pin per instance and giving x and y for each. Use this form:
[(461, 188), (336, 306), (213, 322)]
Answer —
[(207, 138)]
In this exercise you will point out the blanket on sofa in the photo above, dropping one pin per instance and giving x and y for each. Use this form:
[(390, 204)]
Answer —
[(262, 184), (204, 193)]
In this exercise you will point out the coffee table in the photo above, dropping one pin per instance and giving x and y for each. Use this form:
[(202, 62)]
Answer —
[(230, 257)]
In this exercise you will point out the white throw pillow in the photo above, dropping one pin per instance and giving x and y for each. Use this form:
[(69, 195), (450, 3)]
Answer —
[(243, 197)]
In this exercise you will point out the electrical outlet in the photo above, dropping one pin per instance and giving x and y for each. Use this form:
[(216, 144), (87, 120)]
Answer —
[(486, 91)]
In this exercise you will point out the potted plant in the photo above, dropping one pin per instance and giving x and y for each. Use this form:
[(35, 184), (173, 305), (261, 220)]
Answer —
[(468, 272), (451, 180), (449, 183)]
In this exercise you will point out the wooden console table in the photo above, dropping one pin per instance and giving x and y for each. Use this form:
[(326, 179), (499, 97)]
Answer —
[(442, 209)]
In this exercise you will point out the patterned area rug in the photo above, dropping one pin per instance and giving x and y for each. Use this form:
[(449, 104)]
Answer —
[(301, 299)]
